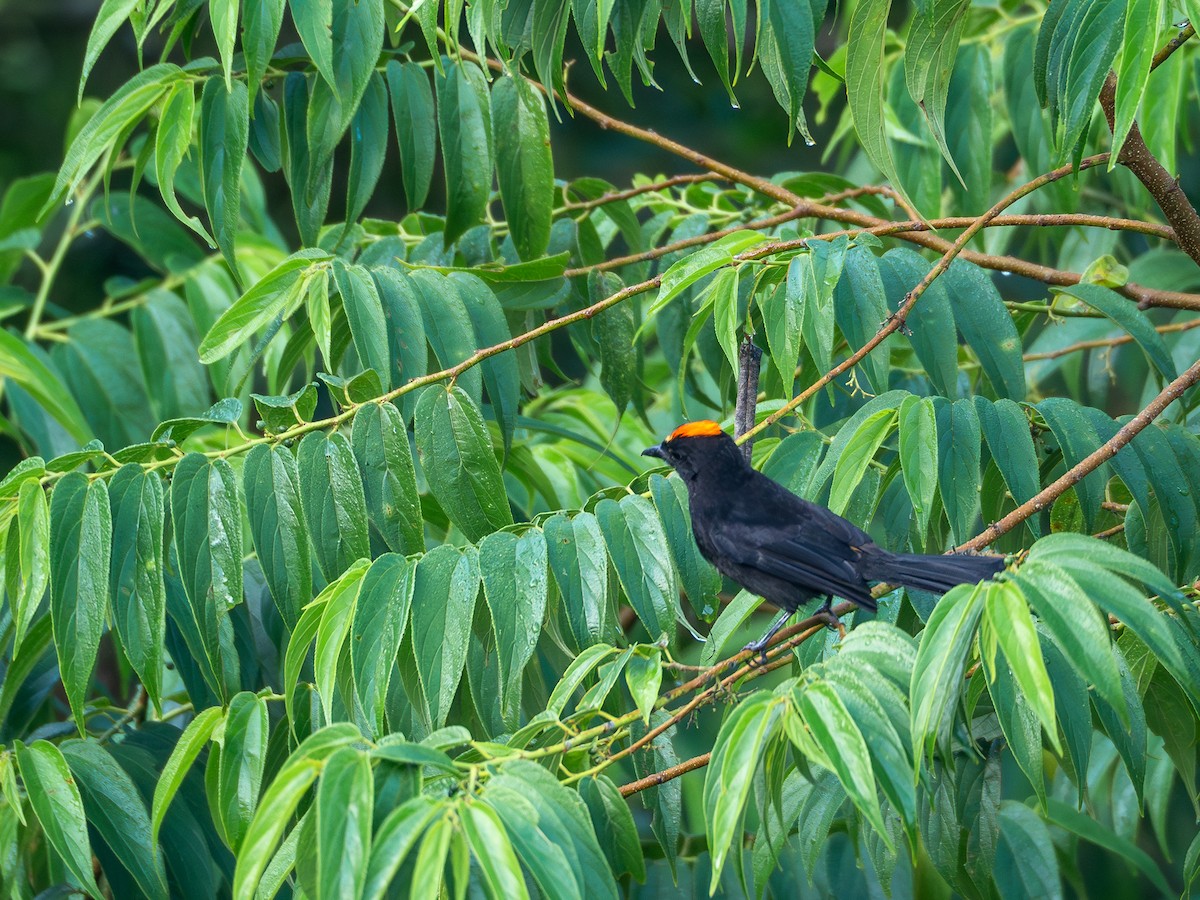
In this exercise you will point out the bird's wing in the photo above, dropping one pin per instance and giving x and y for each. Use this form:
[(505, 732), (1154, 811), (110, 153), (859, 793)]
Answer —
[(810, 557)]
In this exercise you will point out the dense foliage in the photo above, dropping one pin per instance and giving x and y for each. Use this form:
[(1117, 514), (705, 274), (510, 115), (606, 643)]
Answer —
[(331, 567)]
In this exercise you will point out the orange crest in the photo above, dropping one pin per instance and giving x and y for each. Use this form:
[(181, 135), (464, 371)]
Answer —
[(703, 428)]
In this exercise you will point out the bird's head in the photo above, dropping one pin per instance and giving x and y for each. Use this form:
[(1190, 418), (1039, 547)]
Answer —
[(697, 447)]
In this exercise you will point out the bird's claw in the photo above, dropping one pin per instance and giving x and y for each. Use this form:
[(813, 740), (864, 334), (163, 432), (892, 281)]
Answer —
[(831, 620)]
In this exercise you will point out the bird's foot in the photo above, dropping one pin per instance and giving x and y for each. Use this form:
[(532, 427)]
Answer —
[(759, 650), (827, 615)]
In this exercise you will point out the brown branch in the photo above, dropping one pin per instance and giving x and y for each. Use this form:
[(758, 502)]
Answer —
[(665, 775), (630, 193), (1090, 463), (1158, 182), (1107, 342)]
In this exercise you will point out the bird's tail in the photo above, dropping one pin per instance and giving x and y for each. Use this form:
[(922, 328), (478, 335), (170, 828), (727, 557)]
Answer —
[(933, 573)]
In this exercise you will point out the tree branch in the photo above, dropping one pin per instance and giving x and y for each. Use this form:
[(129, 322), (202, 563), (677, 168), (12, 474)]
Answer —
[(665, 775), (1137, 158)]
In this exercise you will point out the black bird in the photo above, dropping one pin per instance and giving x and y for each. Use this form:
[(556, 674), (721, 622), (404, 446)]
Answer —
[(784, 548)]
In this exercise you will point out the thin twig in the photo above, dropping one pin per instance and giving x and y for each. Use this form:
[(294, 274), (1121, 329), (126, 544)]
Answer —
[(1107, 342), (665, 775), (630, 193)]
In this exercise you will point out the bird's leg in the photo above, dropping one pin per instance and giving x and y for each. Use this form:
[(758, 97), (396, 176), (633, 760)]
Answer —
[(826, 613), (760, 646)]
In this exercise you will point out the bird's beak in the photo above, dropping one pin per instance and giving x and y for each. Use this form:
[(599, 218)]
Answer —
[(655, 451)]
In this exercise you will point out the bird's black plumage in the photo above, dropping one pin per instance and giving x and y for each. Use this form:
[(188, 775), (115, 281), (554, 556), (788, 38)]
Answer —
[(784, 548)]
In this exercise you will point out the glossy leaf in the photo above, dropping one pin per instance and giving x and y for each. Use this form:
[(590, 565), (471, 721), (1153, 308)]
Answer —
[(278, 529), (524, 167), (380, 444), (56, 802), (465, 125), (634, 537), (459, 462), (447, 582), (136, 586), (416, 127), (335, 507), (80, 549)]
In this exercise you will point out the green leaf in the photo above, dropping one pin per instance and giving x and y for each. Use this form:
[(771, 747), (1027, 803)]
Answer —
[(576, 554), (115, 118), (1077, 438), (634, 537), (987, 327), (614, 329), (834, 731), (193, 740), (465, 124), (785, 48), (33, 556), (701, 582), (1007, 622), (278, 529), (314, 22), (710, 15), (405, 331), (139, 600), (223, 16), (112, 15), (929, 56), (691, 268), (223, 138), (448, 327), (277, 294), (118, 813), (357, 40), (380, 620), (524, 167), (1062, 815), (782, 312), (287, 411), (857, 454), (416, 128), (1078, 66), (514, 571), (206, 509), (581, 666), (459, 462), (613, 823), (865, 74), (280, 800), (937, 674), (934, 341), (18, 363), (723, 290), (223, 412), (1006, 428), (54, 798), (492, 851), (172, 140), (80, 547), (501, 376), (368, 324), (643, 675), (394, 840), (241, 755), (1133, 72), (343, 810), (958, 465), (447, 583), (740, 745), (260, 30), (1076, 625), (310, 185), (1025, 862), (100, 366), (368, 148), (335, 506), (918, 456), (551, 831), (166, 339), (1132, 320), (860, 308), (380, 444)]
